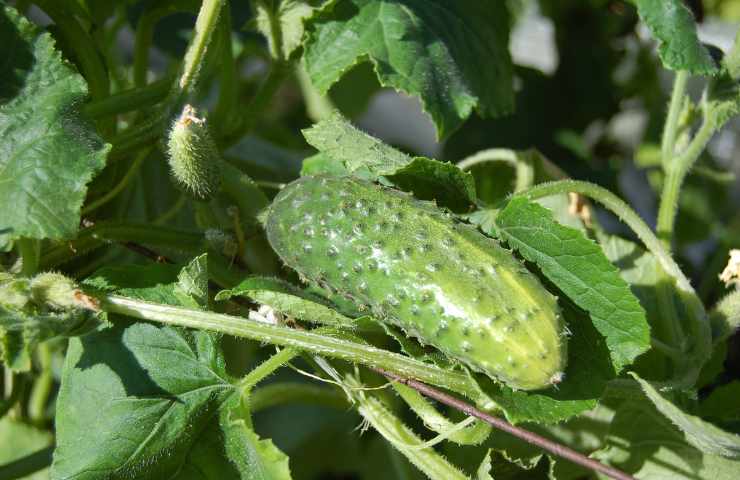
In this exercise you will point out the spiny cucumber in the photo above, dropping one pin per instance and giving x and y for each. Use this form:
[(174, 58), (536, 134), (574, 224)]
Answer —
[(193, 155), (440, 281)]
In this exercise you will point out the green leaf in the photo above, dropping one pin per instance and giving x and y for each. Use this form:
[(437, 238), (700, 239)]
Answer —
[(642, 442), (723, 91), (286, 299), (673, 26), (578, 266), (256, 459), (338, 141), (341, 141), (452, 55), (47, 149), (429, 179), (136, 398), (192, 282), (322, 164), (702, 435), (484, 470), (291, 16), (725, 318), (722, 403), (666, 313)]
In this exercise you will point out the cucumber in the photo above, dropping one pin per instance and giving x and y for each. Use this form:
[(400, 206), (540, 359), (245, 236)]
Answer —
[(439, 280), (195, 162)]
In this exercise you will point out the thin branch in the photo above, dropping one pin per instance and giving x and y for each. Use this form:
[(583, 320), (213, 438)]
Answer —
[(548, 445)]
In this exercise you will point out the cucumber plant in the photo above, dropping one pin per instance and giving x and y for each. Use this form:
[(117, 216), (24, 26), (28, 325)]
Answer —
[(189, 206)]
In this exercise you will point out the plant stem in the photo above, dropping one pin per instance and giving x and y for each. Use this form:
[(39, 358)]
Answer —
[(129, 100), (111, 194), (29, 251), (259, 102), (41, 387), (276, 394), (83, 45), (204, 26), (172, 211), (228, 81), (302, 340), (530, 437), (676, 173), (670, 127), (97, 235)]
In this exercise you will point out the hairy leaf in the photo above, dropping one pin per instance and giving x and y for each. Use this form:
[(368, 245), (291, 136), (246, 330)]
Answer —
[(702, 435), (135, 398), (672, 24), (256, 459), (363, 155), (48, 152), (579, 268), (430, 49), (642, 442)]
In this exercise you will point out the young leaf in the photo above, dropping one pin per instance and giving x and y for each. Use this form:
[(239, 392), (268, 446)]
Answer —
[(423, 48), (47, 148), (365, 156), (256, 459), (286, 299), (672, 24), (137, 396), (702, 435), (579, 268)]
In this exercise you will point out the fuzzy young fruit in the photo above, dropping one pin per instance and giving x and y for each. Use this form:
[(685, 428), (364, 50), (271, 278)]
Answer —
[(193, 156), (440, 281)]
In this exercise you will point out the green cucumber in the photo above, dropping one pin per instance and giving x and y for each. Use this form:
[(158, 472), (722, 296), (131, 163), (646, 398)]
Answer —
[(195, 162), (440, 281)]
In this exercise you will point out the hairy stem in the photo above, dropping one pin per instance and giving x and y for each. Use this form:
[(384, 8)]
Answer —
[(41, 387), (204, 27), (129, 100), (97, 235), (676, 172), (112, 193), (670, 127), (301, 340)]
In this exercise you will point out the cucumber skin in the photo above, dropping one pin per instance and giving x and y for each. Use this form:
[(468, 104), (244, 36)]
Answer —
[(440, 281)]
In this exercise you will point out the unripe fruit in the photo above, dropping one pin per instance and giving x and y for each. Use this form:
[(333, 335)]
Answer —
[(440, 281), (193, 157)]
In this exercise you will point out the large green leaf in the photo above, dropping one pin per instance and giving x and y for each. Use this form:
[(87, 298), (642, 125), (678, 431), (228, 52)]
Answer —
[(644, 443), (453, 55), (702, 435), (136, 398), (672, 24), (578, 267), (48, 152)]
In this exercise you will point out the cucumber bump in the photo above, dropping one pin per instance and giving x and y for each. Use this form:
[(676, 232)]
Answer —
[(440, 281)]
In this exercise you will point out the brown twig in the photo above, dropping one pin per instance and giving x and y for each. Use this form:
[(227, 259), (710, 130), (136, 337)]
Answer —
[(530, 437)]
